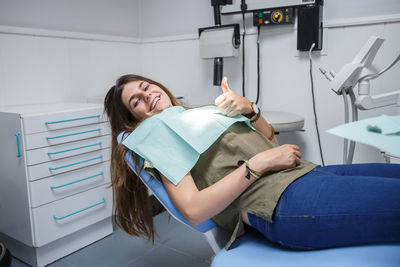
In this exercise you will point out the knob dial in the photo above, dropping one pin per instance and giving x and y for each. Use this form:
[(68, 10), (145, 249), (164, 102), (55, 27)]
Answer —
[(277, 16)]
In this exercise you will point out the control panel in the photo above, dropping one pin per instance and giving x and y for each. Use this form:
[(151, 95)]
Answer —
[(273, 17)]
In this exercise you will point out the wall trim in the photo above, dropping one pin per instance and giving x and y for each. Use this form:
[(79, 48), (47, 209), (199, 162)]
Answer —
[(172, 38), (393, 18), (67, 35), (329, 24), (362, 21)]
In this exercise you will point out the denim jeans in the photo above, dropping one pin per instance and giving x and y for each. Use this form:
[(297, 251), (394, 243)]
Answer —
[(337, 205)]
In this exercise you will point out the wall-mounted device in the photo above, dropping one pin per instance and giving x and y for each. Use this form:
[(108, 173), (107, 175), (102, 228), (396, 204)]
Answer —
[(309, 26), (224, 40), (219, 41), (210, 40), (273, 17), (270, 4)]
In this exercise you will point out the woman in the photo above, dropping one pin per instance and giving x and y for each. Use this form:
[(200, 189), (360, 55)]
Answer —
[(328, 206)]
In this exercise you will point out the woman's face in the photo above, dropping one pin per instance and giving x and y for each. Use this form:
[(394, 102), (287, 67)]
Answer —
[(143, 99)]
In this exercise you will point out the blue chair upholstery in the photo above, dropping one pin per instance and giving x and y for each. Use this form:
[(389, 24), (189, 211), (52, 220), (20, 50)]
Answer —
[(253, 249), (161, 194)]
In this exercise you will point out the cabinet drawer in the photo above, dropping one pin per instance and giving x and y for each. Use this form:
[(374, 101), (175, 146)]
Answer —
[(45, 154), (56, 137), (68, 164), (62, 120), (63, 217), (60, 186)]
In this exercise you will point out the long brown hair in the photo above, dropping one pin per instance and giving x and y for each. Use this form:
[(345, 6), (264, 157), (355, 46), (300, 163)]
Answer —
[(131, 210)]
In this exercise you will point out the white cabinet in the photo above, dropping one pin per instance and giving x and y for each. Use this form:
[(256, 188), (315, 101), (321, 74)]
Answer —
[(55, 194)]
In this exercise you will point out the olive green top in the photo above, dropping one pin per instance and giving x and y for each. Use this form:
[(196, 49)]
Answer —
[(239, 142)]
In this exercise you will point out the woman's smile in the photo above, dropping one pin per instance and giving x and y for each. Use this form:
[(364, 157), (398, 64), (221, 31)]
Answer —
[(143, 99), (154, 102)]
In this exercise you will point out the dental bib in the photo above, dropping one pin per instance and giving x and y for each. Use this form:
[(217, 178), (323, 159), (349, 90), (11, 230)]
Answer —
[(173, 140)]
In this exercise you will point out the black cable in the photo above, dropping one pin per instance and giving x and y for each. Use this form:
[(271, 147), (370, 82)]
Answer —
[(315, 113), (243, 56), (258, 64)]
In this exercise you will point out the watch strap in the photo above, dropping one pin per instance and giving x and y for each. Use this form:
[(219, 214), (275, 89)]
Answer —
[(252, 113)]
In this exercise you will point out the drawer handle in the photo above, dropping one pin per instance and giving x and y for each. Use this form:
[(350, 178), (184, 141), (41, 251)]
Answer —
[(77, 181), (76, 148), (72, 164), (75, 119), (17, 135), (73, 213), (66, 135)]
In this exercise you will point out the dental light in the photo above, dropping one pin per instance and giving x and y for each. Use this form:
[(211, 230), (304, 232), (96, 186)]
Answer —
[(360, 72)]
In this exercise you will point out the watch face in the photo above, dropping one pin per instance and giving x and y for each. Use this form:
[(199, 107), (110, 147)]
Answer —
[(256, 109)]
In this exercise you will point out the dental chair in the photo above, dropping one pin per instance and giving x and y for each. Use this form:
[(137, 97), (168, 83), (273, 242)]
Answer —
[(252, 249)]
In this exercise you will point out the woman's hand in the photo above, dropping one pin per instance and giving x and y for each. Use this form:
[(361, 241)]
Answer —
[(276, 159), (230, 103)]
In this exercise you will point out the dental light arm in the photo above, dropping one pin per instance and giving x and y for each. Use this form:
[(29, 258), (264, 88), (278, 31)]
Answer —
[(361, 71)]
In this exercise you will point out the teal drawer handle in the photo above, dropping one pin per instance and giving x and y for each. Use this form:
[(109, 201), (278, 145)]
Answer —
[(77, 181), (66, 135), (94, 205), (75, 119), (76, 163), (76, 148), (17, 135)]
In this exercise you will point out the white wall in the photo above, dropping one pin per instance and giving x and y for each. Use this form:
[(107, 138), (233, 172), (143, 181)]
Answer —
[(116, 17), (65, 50), (38, 66), (51, 69)]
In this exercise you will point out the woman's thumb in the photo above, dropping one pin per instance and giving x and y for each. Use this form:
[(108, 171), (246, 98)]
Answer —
[(224, 85)]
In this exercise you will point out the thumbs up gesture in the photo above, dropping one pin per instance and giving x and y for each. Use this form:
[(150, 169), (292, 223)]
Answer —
[(230, 103)]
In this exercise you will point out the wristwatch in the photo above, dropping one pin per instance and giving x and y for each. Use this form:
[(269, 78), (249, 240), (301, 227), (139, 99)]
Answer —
[(254, 111)]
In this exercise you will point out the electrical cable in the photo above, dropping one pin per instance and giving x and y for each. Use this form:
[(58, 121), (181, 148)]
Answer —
[(258, 64), (243, 55), (314, 109), (376, 75)]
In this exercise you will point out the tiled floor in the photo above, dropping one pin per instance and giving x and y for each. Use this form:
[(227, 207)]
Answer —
[(176, 245)]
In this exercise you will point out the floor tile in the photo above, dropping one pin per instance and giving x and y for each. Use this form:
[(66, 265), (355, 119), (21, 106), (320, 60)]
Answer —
[(61, 263), (163, 256), (17, 263), (190, 242), (175, 245), (166, 227), (114, 250)]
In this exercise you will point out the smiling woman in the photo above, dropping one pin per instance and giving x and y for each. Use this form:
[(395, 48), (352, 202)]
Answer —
[(241, 174), (149, 97)]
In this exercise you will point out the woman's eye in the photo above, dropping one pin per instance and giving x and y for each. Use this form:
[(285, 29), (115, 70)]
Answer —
[(136, 103), (147, 87)]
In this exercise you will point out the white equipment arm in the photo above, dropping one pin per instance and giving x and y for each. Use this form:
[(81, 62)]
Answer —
[(361, 71)]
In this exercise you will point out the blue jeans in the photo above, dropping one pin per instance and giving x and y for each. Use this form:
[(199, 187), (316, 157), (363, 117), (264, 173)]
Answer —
[(337, 205)]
